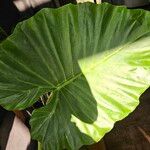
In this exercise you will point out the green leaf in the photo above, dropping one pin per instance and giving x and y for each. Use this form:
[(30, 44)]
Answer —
[(3, 34), (94, 59)]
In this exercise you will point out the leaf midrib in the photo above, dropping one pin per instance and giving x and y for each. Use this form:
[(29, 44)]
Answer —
[(71, 79), (116, 51)]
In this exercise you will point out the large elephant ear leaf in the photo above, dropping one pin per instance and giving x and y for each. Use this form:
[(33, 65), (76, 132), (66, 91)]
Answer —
[(95, 61)]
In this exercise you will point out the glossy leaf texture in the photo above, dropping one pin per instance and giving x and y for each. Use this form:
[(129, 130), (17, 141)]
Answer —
[(94, 59)]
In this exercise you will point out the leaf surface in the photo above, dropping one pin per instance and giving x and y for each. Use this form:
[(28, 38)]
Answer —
[(93, 58)]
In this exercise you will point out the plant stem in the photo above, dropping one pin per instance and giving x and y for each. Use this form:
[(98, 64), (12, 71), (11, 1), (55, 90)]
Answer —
[(49, 97), (28, 113), (41, 98)]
